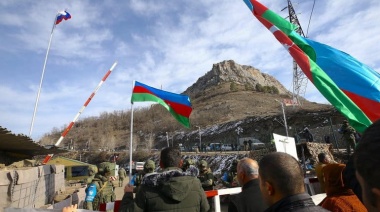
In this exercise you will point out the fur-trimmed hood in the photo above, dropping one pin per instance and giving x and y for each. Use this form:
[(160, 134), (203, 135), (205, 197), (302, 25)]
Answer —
[(172, 182)]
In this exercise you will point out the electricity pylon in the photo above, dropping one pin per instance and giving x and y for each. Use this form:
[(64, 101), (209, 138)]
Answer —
[(299, 78)]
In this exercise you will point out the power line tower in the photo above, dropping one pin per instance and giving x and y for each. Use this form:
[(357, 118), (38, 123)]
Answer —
[(299, 78)]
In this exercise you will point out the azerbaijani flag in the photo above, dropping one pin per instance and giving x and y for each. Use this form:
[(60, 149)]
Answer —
[(177, 104), (63, 15), (350, 86)]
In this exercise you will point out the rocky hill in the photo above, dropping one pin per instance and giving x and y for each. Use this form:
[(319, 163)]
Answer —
[(227, 72), (228, 96)]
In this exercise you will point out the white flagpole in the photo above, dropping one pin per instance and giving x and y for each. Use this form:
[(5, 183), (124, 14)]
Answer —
[(42, 78), (131, 139)]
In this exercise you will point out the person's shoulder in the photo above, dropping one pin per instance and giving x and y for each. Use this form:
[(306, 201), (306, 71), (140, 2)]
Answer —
[(191, 180)]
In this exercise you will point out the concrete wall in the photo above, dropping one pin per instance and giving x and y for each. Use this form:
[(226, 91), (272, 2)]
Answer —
[(30, 187)]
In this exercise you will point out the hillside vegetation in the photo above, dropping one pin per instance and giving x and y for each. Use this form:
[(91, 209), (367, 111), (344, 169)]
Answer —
[(228, 96)]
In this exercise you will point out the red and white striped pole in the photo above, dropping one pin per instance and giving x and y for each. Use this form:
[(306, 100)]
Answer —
[(47, 158)]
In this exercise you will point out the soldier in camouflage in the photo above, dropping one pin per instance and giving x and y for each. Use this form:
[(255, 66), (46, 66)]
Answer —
[(205, 176), (189, 167), (122, 174), (207, 179), (106, 189), (92, 170), (149, 167), (230, 178), (186, 164), (348, 135)]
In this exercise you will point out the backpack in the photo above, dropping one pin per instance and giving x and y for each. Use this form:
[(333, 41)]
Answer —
[(133, 180), (91, 192)]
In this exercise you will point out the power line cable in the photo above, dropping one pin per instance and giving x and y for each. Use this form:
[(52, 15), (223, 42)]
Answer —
[(312, 9)]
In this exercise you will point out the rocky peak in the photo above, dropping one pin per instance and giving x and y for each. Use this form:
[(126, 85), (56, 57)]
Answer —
[(229, 71)]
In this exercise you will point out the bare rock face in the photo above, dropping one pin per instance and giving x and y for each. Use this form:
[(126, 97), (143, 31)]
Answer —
[(229, 71)]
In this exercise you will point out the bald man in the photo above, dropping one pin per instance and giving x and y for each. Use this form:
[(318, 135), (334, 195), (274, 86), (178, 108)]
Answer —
[(250, 198), (282, 184)]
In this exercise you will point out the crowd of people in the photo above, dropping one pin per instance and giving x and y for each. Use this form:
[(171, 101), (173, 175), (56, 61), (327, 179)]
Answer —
[(275, 183)]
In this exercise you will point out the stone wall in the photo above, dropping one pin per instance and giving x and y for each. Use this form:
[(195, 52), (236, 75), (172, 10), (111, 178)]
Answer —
[(30, 187)]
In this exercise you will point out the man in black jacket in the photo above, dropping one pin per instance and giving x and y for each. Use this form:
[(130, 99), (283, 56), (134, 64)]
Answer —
[(366, 160), (282, 184), (250, 198)]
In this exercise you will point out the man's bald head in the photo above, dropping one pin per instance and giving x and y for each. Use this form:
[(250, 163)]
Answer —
[(283, 172), (247, 170), (249, 166)]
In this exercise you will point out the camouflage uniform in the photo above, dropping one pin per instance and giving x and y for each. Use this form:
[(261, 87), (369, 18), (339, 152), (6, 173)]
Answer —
[(207, 178), (348, 135), (149, 167), (122, 174), (105, 186), (92, 170), (231, 180)]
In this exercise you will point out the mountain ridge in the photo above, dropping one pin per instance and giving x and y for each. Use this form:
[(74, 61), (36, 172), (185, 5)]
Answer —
[(226, 97)]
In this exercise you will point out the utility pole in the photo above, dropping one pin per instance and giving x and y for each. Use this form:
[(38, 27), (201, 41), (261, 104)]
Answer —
[(283, 112), (238, 131), (200, 138), (167, 138), (299, 78)]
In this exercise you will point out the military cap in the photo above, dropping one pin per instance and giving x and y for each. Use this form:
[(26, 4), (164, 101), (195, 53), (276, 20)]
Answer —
[(188, 162), (93, 168), (203, 163), (149, 165)]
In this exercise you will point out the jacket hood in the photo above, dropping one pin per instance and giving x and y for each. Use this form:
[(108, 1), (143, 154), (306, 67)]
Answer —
[(172, 182)]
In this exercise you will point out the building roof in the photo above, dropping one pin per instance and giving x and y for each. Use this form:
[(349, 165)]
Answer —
[(67, 161), (23, 146)]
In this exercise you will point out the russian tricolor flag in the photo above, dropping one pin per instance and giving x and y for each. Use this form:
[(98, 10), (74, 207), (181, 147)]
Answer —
[(62, 15)]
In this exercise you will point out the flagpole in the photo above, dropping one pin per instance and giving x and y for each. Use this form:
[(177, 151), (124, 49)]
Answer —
[(47, 158), (131, 139), (42, 77)]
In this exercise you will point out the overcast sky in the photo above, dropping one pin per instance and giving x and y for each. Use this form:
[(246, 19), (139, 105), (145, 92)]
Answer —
[(159, 43)]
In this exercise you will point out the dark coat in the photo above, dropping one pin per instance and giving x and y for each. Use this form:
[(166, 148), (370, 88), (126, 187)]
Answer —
[(249, 199), (296, 203), (170, 190)]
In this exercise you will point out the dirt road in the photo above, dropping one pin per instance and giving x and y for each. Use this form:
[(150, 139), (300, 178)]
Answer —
[(119, 191)]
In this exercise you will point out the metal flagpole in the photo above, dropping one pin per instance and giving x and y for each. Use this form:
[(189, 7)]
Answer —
[(42, 77), (47, 158), (283, 112), (131, 139)]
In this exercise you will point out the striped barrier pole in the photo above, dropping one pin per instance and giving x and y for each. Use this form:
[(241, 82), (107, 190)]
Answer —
[(216, 194), (48, 157)]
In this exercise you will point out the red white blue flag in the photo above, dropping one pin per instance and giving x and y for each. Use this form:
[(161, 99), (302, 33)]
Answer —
[(63, 15)]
